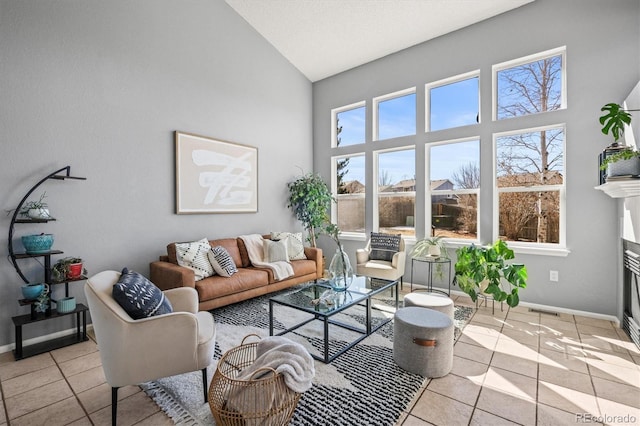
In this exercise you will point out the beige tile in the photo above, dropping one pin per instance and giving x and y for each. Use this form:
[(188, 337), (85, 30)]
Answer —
[(617, 392), (589, 330), (614, 372), (472, 352), (511, 383), (507, 406), (619, 414), (488, 320), (130, 411), (563, 360), (530, 327), (530, 318), (560, 316), (31, 381), (440, 410), (479, 339), (99, 397), (87, 379), (569, 345), (35, 399), (59, 413), (74, 351), (567, 399), (511, 347), (515, 364), (85, 421), (3, 415), (414, 421), (80, 364), (470, 369), (551, 416), (522, 337), (456, 387), (572, 379), (482, 418), (492, 311), (567, 329), (161, 419), (6, 358), (557, 323), (595, 322), (524, 310), (13, 369), (600, 343)]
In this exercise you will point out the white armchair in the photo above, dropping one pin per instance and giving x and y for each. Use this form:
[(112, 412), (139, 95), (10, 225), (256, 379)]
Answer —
[(382, 269), (136, 351)]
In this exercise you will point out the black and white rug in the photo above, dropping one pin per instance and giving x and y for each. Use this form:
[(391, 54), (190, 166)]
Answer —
[(363, 386)]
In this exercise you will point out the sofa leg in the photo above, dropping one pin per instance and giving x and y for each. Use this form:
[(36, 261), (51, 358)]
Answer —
[(204, 383), (114, 405)]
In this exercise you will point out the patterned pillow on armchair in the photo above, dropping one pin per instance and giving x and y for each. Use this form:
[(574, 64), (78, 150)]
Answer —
[(384, 246)]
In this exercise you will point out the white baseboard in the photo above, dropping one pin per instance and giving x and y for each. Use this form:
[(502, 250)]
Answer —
[(63, 333)]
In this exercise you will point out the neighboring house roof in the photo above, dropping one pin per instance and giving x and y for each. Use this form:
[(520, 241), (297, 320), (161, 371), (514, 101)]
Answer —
[(353, 187)]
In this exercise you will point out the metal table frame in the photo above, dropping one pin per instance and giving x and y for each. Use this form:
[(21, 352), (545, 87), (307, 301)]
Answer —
[(325, 317), (432, 262)]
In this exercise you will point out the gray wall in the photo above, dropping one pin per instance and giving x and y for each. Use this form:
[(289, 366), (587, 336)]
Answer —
[(602, 41), (102, 86)]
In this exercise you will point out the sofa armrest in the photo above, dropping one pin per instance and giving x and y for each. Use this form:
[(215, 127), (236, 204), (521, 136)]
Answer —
[(315, 254), (362, 256), (183, 299), (168, 275)]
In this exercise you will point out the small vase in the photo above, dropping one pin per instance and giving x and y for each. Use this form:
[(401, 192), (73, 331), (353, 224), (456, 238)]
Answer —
[(340, 271)]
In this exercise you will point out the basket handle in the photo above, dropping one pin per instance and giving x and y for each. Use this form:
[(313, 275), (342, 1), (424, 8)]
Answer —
[(249, 335), (262, 369)]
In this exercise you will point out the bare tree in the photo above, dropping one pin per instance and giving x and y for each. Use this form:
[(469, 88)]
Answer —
[(467, 176), (384, 178), (341, 165)]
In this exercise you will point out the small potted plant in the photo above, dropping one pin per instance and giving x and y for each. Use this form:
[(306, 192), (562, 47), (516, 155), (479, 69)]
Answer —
[(484, 270), (68, 268), (430, 247), (36, 209), (626, 160)]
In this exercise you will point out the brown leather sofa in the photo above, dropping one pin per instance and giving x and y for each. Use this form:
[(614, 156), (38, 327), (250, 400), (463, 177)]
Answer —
[(247, 283)]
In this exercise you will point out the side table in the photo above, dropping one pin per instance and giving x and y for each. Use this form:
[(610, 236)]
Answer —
[(433, 263)]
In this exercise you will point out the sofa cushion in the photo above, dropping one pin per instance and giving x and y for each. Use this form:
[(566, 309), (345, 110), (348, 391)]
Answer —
[(384, 246), (244, 279), (194, 256), (275, 251), (295, 245), (222, 262), (139, 297)]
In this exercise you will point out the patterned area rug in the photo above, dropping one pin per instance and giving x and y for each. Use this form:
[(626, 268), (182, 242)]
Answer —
[(361, 386)]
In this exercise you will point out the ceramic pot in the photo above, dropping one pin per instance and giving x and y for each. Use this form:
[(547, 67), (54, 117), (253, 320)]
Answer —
[(74, 271), (66, 305), (32, 291), (35, 244), (41, 213), (624, 167)]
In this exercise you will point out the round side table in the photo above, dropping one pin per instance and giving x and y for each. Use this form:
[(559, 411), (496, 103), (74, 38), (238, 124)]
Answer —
[(432, 264)]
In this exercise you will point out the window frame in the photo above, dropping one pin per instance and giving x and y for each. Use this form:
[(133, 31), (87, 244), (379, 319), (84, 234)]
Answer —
[(559, 249), (334, 121), (334, 193), (375, 113), (444, 82), (429, 193), (558, 51)]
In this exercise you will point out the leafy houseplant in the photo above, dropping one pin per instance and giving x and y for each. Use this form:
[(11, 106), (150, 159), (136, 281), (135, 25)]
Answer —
[(625, 161), (310, 199), (485, 270), (430, 246), (35, 209), (66, 268), (613, 121)]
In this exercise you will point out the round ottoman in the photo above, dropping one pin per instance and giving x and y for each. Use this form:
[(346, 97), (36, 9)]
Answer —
[(435, 301), (423, 341)]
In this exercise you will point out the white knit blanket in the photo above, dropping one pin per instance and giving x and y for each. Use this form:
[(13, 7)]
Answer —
[(255, 249)]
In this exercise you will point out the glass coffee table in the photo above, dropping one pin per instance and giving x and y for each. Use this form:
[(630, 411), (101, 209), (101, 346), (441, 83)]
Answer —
[(310, 299)]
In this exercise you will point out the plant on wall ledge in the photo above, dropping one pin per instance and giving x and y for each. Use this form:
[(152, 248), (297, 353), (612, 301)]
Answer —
[(614, 120), (484, 270), (310, 200)]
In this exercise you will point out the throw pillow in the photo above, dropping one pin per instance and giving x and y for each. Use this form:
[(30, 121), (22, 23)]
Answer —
[(222, 262), (295, 246), (275, 251), (194, 256), (139, 297), (384, 246)]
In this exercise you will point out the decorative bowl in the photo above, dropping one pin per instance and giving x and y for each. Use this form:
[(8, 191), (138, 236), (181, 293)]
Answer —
[(32, 291), (40, 243), (66, 305)]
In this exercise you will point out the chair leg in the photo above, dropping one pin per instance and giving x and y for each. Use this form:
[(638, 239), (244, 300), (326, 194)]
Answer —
[(114, 405), (204, 383)]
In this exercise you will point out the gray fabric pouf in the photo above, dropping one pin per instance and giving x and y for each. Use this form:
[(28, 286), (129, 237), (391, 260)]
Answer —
[(435, 301), (423, 341)]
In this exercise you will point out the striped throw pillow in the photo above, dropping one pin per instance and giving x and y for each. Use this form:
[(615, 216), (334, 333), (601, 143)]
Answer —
[(222, 262)]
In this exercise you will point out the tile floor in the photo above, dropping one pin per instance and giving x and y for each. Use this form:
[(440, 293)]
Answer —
[(510, 367)]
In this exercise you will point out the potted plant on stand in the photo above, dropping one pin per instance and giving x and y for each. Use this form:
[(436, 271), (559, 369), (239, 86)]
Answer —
[(619, 160), (484, 270), (430, 246), (69, 268)]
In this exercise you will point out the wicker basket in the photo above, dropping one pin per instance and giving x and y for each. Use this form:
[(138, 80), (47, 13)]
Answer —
[(263, 401)]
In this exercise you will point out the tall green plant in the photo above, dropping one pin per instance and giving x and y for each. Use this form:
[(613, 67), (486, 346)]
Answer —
[(613, 120), (479, 266), (310, 200)]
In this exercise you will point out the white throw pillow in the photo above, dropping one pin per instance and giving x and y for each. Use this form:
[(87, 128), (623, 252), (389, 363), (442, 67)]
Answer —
[(275, 251), (194, 256), (222, 262), (295, 245)]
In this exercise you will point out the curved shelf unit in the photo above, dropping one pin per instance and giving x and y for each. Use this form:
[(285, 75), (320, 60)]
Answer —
[(61, 174)]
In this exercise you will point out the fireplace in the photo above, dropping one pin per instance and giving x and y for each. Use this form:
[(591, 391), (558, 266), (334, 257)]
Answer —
[(631, 294)]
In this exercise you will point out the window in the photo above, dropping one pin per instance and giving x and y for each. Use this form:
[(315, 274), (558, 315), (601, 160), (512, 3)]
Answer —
[(530, 184), (396, 191), (454, 186), (453, 102), (530, 85), (348, 185), (395, 115), (349, 125)]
